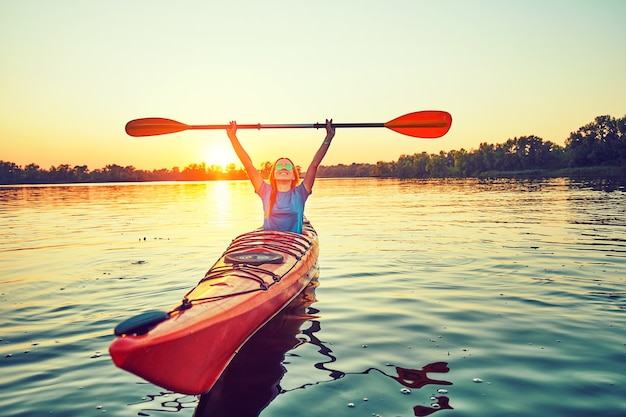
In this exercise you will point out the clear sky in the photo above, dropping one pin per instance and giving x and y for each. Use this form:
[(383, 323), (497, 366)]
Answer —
[(73, 72)]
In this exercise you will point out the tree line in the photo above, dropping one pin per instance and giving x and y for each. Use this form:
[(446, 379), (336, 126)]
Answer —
[(601, 143)]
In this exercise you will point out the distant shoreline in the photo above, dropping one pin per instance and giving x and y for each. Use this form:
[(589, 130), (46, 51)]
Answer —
[(586, 173), (601, 172)]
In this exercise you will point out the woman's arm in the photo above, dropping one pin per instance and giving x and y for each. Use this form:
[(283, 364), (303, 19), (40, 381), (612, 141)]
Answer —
[(311, 172), (253, 173)]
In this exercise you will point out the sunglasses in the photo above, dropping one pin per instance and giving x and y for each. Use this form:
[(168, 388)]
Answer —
[(287, 166)]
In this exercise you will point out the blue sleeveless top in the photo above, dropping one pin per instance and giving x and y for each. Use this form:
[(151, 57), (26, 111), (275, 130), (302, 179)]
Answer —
[(288, 211)]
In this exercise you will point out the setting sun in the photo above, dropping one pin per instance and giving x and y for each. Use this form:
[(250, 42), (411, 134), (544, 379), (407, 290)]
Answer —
[(219, 154)]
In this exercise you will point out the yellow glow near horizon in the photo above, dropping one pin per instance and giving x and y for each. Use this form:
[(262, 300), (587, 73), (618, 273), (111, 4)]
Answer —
[(220, 154)]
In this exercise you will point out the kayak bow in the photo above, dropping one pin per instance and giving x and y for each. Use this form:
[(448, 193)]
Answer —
[(188, 348)]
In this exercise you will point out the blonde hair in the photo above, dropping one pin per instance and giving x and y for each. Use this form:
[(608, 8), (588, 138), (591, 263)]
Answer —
[(272, 179)]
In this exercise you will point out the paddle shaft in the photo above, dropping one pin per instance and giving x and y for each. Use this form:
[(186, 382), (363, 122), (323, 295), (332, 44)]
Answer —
[(285, 126)]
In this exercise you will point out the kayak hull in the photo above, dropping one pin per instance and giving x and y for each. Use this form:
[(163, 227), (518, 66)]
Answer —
[(189, 350)]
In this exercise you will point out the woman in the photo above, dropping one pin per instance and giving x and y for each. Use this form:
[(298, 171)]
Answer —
[(284, 197)]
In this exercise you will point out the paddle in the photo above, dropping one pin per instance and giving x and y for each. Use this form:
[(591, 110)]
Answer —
[(421, 124)]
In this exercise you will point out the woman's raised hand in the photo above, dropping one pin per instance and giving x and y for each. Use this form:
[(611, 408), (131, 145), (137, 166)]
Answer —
[(232, 130)]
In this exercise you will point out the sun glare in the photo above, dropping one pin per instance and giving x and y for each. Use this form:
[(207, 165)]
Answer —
[(219, 155)]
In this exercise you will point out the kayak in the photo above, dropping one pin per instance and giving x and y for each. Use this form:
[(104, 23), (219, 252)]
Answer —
[(186, 349)]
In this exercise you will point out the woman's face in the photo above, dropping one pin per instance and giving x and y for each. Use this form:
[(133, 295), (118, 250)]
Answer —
[(284, 170)]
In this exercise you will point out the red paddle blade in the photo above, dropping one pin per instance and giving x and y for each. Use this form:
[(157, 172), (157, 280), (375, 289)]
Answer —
[(422, 124), (152, 126)]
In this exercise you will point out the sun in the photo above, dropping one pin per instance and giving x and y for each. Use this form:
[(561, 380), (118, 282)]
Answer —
[(220, 155)]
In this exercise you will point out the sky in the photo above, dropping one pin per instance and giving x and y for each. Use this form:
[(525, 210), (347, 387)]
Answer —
[(73, 72)]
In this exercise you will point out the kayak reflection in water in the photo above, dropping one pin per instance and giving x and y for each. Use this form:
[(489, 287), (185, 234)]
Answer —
[(253, 379), (284, 196)]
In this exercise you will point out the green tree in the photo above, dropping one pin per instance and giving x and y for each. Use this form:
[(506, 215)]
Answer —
[(601, 142), (438, 166), (32, 174)]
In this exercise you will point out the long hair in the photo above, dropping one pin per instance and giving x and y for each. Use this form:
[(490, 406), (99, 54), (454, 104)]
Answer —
[(294, 183)]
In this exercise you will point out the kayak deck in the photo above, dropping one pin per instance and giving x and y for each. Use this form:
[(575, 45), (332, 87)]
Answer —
[(257, 259), (186, 349)]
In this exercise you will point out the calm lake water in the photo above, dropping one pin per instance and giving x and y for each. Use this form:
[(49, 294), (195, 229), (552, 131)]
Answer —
[(454, 297)]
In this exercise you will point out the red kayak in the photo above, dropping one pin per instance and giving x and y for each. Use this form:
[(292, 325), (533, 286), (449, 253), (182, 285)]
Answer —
[(187, 349)]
